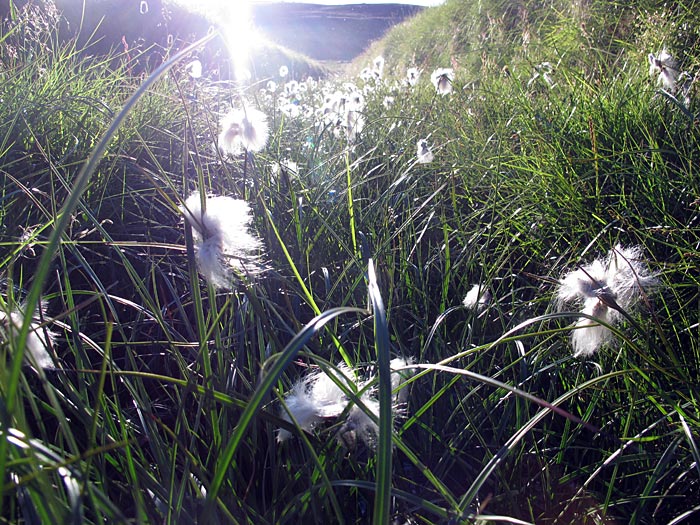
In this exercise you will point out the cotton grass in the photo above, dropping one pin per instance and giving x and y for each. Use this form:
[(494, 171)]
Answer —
[(424, 155), (607, 289), (442, 79), (224, 246), (317, 397), (243, 129), (39, 339), (664, 68)]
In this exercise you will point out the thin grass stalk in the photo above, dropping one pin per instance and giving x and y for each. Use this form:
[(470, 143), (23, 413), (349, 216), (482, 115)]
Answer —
[(656, 475), (102, 378), (351, 203), (396, 493)]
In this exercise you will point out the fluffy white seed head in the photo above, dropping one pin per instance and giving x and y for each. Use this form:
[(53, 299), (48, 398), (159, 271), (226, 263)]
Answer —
[(623, 275), (223, 242), (442, 80), (399, 375), (424, 154), (301, 405), (39, 339), (665, 69), (360, 424), (317, 397), (602, 288), (412, 76), (588, 336), (477, 298), (354, 124), (327, 395), (194, 69), (243, 129)]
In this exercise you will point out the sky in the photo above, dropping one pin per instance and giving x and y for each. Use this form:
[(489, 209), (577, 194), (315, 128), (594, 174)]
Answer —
[(341, 2)]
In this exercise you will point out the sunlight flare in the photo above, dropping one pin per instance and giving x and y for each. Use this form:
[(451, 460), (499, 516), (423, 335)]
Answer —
[(234, 21)]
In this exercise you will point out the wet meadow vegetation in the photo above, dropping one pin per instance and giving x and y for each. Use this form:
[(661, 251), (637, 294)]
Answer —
[(457, 284)]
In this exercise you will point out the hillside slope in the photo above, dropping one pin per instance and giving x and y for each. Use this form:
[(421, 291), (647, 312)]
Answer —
[(478, 38)]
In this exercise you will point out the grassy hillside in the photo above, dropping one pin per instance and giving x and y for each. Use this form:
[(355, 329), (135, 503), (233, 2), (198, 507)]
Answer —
[(480, 306), (481, 38)]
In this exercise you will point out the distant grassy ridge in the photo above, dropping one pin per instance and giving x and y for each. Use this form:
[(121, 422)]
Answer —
[(330, 33)]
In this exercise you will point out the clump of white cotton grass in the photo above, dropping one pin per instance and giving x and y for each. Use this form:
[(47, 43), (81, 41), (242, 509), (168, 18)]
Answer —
[(664, 68), (224, 246), (424, 155), (477, 298), (317, 397), (194, 69), (243, 129), (412, 76), (39, 339), (442, 79), (606, 289)]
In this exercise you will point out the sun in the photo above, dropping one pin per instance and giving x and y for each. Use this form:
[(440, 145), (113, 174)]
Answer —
[(233, 19)]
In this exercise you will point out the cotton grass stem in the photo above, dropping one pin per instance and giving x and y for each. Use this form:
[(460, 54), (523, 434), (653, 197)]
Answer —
[(351, 205)]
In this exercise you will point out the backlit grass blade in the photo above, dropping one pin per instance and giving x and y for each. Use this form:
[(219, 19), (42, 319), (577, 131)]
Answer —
[(382, 501)]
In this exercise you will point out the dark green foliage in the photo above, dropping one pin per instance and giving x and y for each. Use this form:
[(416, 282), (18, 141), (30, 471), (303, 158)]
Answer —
[(165, 404)]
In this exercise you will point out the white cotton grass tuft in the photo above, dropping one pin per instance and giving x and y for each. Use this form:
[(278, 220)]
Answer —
[(353, 125), (378, 67), (412, 76), (314, 398), (400, 373), (194, 69), (442, 79), (588, 335), (359, 424), (424, 154), (317, 397), (605, 288), (39, 339), (223, 243), (284, 71), (301, 405), (477, 298), (243, 129), (665, 69)]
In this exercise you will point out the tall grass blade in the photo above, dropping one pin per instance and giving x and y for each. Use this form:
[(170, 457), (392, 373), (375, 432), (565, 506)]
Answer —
[(382, 501)]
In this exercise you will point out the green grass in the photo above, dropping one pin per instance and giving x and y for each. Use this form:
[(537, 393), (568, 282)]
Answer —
[(167, 397)]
